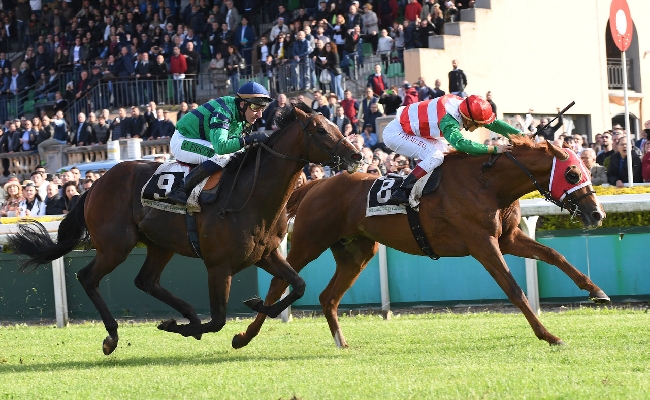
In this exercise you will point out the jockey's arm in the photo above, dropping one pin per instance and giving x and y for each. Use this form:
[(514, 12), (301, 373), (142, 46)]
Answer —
[(503, 128), (450, 129), (221, 139)]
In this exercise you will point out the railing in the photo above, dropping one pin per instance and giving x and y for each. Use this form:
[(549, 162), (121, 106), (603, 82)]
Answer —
[(615, 73), (21, 163), (81, 154), (155, 146)]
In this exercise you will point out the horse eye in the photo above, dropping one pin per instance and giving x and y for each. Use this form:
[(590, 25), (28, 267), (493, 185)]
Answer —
[(322, 130)]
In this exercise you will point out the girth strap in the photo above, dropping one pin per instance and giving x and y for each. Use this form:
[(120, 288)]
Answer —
[(418, 233), (193, 234)]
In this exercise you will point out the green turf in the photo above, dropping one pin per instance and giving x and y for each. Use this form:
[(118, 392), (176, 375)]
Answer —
[(429, 356)]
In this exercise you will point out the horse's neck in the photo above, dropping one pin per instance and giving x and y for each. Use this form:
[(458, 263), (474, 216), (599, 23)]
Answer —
[(511, 182)]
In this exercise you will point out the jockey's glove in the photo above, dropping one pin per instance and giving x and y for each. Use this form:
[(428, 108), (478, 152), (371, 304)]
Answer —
[(255, 138)]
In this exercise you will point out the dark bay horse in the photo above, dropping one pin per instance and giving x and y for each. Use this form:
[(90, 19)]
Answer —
[(472, 213), (243, 227)]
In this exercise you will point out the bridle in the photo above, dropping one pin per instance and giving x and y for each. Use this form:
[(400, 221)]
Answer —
[(334, 158), (570, 202)]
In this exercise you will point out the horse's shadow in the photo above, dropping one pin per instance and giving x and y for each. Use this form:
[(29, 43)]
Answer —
[(166, 361)]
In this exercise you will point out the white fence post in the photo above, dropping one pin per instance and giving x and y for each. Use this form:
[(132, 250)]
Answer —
[(383, 282), (60, 294), (528, 226), (285, 315)]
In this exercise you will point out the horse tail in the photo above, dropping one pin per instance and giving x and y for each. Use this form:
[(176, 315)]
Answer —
[(298, 195), (34, 241)]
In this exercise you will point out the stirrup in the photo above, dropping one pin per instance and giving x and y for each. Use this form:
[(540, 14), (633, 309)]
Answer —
[(399, 197), (178, 196)]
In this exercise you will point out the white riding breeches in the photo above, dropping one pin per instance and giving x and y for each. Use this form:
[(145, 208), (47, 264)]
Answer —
[(431, 152), (195, 151)]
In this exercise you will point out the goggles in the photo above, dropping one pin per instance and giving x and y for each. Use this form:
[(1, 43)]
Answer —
[(256, 107)]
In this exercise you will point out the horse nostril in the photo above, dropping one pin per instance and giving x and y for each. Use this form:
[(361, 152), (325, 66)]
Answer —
[(597, 215), (356, 157)]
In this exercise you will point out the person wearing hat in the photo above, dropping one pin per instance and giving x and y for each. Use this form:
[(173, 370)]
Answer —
[(418, 128), (31, 205), (208, 135), (14, 196)]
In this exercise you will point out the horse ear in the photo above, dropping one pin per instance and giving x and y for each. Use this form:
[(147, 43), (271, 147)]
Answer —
[(300, 114), (556, 151)]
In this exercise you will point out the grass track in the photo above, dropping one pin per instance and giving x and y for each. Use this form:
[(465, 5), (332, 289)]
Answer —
[(428, 356)]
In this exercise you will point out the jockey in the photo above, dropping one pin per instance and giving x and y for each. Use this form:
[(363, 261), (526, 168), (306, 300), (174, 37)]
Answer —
[(419, 127), (209, 134)]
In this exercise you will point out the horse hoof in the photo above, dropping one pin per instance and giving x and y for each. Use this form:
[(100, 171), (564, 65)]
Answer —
[(254, 303), (559, 343), (109, 345), (198, 336), (239, 340), (599, 297), (168, 325)]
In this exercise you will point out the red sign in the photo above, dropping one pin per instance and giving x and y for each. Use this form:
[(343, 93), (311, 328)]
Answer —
[(620, 23)]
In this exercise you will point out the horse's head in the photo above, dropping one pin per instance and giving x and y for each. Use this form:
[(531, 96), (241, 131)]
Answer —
[(570, 185), (324, 141)]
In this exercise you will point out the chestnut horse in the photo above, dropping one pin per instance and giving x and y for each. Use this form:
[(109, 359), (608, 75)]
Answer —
[(243, 227), (472, 213)]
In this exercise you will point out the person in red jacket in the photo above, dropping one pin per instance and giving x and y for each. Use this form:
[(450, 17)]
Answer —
[(351, 109), (178, 67), (412, 11), (410, 95)]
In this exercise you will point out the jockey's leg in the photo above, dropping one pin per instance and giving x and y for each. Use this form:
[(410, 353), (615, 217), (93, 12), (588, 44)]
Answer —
[(193, 151), (431, 152)]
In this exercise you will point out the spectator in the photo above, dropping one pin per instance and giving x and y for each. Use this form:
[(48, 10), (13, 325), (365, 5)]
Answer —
[(184, 110), (28, 137), (370, 24), (410, 95), (86, 184), (351, 108), (438, 20), (488, 97), (332, 62), (384, 48), (244, 39), (54, 203), (46, 132), (390, 100), (645, 162), (118, 128), (320, 104), (70, 196), (277, 29), (332, 105), (193, 62), (598, 172), (347, 130), (340, 119), (300, 53), (178, 67), (233, 67), (31, 205), (159, 72), (150, 117), (617, 174), (388, 11), (548, 132), (316, 172), (40, 183), (644, 136), (217, 69), (371, 117), (143, 74), (137, 125), (377, 81), (369, 136), (457, 80), (101, 130), (364, 108), (14, 195), (10, 140), (166, 127), (412, 11), (82, 132)]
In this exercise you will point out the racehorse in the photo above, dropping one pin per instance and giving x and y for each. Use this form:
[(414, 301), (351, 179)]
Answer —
[(475, 211), (242, 227)]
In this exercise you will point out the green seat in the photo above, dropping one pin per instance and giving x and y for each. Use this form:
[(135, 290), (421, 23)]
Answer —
[(41, 101), (28, 107), (391, 72), (170, 88), (367, 49)]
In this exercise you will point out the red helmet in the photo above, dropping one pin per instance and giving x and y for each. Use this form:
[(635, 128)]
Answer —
[(477, 109)]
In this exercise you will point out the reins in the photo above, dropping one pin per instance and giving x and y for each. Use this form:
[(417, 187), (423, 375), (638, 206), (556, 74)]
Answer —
[(569, 203), (303, 126)]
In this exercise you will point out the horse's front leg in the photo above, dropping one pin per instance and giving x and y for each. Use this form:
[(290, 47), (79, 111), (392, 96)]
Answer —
[(277, 266), (518, 244), (219, 280), (487, 253)]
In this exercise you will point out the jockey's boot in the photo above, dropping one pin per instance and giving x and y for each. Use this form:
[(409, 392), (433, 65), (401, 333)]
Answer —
[(179, 194), (401, 195)]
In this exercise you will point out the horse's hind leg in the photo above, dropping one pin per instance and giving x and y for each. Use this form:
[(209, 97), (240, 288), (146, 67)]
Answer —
[(351, 259), (148, 280), (488, 254), (518, 244), (89, 277)]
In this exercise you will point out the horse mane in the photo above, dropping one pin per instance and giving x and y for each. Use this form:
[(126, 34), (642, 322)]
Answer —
[(298, 195), (287, 115)]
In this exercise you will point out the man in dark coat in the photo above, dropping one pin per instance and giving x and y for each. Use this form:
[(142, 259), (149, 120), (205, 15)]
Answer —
[(457, 80)]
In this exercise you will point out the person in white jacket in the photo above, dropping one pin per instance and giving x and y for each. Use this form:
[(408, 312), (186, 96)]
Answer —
[(31, 205)]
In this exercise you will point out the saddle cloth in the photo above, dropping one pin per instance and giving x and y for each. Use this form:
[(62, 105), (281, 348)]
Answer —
[(167, 176), (382, 188)]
